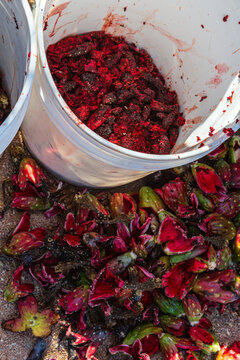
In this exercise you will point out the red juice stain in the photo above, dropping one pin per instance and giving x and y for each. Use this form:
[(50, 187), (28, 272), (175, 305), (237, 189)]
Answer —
[(15, 19), (211, 131), (182, 45), (214, 82), (203, 98), (202, 26), (225, 18), (45, 25), (198, 138), (125, 8), (57, 10), (176, 54), (113, 22), (235, 51), (193, 108), (196, 120), (222, 68), (229, 98), (115, 89)]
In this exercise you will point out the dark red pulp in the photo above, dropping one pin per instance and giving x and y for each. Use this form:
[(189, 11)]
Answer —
[(117, 91)]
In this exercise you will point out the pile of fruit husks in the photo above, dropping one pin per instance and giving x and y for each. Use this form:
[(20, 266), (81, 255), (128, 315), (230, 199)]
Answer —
[(138, 271)]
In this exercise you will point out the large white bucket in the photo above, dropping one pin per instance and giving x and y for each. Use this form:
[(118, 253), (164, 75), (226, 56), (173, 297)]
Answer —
[(18, 56), (197, 52)]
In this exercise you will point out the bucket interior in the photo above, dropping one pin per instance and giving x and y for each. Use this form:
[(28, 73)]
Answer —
[(197, 52), (13, 48)]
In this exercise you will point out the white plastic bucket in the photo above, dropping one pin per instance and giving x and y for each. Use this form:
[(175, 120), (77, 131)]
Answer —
[(18, 56), (197, 52)]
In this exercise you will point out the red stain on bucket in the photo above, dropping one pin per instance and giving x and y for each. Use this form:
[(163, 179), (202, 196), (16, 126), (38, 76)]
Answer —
[(193, 108), (222, 68), (214, 82), (115, 24), (113, 21), (178, 58), (15, 19), (188, 48), (57, 10), (225, 18), (235, 51), (196, 120), (182, 45), (203, 98)]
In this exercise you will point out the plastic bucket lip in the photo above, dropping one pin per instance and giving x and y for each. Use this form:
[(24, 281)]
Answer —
[(134, 154), (30, 69)]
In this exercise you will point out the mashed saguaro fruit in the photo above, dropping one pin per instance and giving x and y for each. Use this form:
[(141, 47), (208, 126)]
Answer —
[(117, 91)]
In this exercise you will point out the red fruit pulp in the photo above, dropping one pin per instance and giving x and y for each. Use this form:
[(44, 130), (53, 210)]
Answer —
[(117, 91)]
